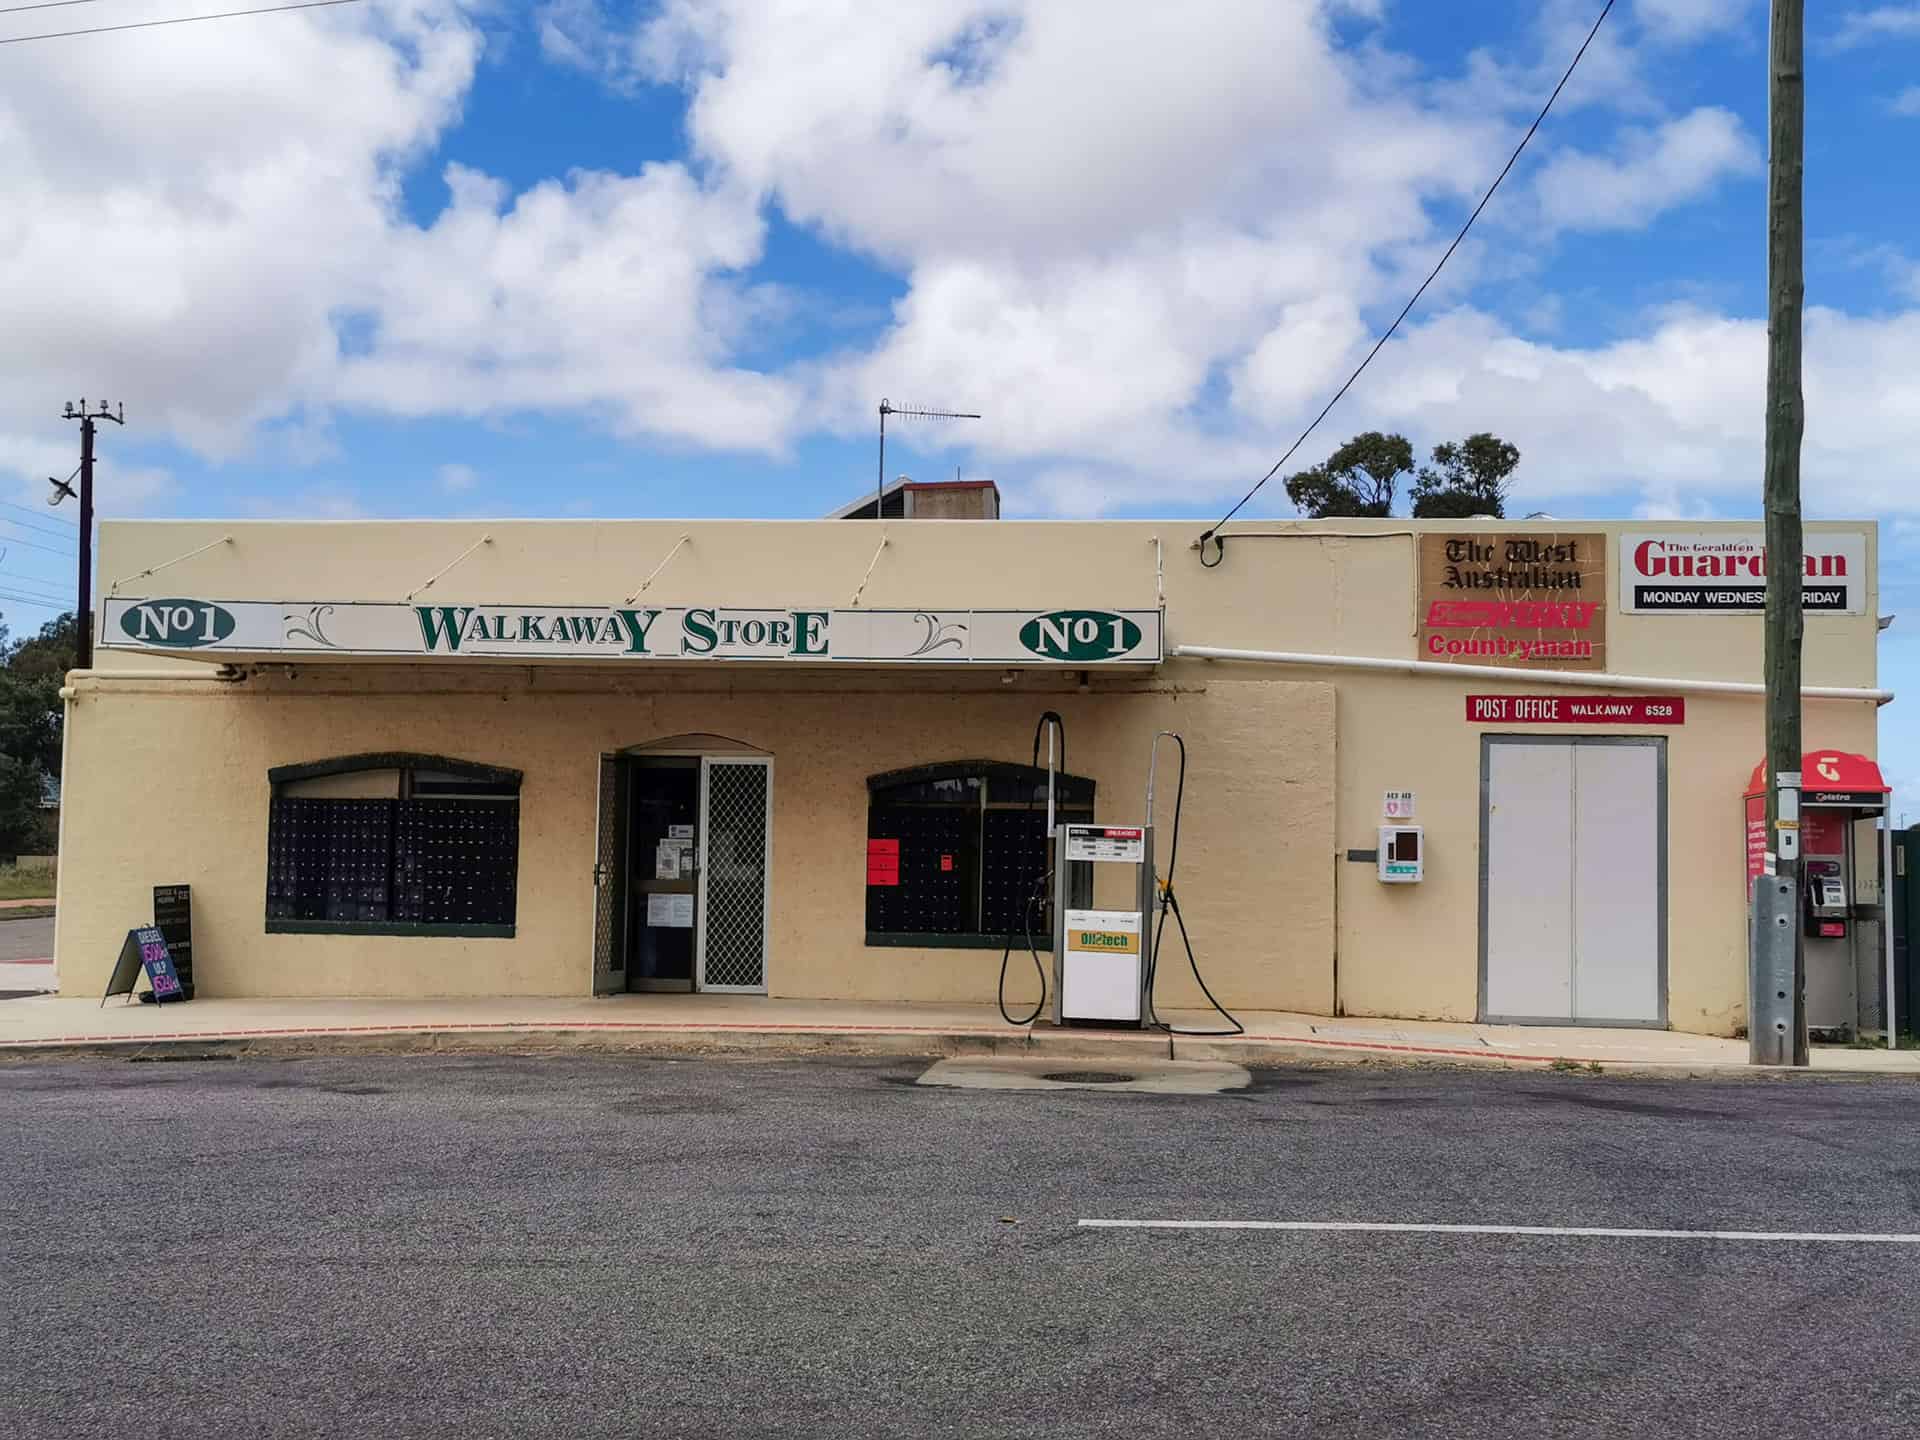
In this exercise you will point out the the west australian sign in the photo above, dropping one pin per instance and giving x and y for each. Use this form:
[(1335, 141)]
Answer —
[(1080, 636), (1529, 601)]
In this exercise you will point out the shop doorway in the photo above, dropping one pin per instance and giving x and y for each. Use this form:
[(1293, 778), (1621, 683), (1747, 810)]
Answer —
[(1573, 880), (682, 872)]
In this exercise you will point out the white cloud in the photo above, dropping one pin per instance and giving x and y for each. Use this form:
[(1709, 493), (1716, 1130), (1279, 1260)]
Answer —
[(455, 478), (1146, 250), (1686, 21), (190, 209), (1907, 102), (984, 128), (598, 294), (1883, 22), (212, 223), (1655, 171)]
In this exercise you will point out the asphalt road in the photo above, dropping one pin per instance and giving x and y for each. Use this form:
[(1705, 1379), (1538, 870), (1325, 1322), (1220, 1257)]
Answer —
[(26, 939), (586, 1246)]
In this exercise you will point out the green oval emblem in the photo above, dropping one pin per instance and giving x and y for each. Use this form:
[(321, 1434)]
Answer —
[(1082, 635), (176, 624)]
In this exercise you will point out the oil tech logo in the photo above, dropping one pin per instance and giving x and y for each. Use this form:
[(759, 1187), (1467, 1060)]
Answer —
[(1080, 635)]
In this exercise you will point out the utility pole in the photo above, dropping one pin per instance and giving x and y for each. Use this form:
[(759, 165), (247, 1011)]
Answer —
[(83, 621), (1777, 1014)]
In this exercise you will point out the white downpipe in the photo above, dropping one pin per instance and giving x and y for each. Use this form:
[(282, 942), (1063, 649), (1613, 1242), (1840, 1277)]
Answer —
[(1588, 679)]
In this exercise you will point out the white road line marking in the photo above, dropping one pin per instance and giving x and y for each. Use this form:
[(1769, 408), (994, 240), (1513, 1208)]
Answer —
[(1604, 1232)]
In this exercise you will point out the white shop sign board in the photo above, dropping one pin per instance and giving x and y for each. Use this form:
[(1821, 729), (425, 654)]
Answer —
[(1079, 638)]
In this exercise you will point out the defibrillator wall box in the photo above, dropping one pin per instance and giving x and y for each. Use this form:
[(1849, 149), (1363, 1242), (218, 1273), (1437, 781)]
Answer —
[(1402, 855)]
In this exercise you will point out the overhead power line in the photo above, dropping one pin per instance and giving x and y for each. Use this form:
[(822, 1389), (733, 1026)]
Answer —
[(32, 603), (66, 536), (31, 545), (40, 514), (34, 592), (1213, 533), (176, 20), (43, 5), (46, 532), (22, 580)]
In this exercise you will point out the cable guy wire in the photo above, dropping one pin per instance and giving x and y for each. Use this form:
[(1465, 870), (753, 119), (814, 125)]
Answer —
[(176, 20), (1213, 533)]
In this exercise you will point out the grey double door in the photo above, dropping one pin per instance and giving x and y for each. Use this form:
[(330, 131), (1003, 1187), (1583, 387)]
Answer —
[(1573, 880)]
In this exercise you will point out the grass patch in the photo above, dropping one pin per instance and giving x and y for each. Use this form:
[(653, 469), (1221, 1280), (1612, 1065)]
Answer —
[(1565, 1066), (18, 884)]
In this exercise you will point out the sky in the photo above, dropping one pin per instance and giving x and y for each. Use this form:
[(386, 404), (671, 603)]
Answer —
[(440, 258)]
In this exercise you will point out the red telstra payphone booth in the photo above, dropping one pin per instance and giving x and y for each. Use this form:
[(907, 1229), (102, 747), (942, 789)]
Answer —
[(1837, 789)]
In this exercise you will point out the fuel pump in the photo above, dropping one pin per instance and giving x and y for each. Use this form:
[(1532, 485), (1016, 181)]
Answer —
[(1102, 956), (1106, 936)]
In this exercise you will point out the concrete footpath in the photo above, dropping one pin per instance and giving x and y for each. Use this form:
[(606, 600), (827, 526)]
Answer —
[(747, 1022)]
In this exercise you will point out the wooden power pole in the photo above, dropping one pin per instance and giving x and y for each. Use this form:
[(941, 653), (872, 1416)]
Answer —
[(83, 616), (1777, 1015)]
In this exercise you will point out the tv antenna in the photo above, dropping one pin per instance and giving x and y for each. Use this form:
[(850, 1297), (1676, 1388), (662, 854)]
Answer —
[(880, 486)]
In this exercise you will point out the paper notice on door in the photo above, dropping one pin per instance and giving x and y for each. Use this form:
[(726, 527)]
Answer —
[(666, 860), (679, 832), (673, 912)]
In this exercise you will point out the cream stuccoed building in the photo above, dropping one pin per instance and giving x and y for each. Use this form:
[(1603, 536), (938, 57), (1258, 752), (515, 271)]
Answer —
[(459, 758)]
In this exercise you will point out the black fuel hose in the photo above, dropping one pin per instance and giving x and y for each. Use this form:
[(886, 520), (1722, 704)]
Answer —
[(1036, 897), (1171, 906)]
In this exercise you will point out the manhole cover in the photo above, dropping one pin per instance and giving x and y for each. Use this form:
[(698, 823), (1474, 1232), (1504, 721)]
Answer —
[(1090, 1077)]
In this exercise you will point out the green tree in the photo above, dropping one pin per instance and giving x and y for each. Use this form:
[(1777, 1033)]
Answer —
[(31, 673), (46, 656), (1466, 479), (24, 827), (1356, 480)]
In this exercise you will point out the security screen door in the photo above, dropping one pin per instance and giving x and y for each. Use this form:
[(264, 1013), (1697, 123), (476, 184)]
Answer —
[(609, 948), (736, 819), (1573, 880)]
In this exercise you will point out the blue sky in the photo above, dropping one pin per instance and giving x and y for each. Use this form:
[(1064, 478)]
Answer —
[(430, 257)]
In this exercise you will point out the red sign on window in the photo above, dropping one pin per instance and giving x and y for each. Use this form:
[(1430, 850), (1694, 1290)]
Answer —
[(946, 862), (883, 862)]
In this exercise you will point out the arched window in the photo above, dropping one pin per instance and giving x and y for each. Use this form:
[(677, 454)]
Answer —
[(953, 851), (393, 844)]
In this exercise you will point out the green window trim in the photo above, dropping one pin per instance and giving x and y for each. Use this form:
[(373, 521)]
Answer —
[(388, 927)]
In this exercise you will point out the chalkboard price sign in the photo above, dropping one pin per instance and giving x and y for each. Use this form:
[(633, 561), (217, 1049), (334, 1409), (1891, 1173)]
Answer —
[(173, 918), (145, 949), (158, 964)]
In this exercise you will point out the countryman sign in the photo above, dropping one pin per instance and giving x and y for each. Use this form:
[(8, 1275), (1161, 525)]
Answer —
[(1073, 637), (1665, 572)]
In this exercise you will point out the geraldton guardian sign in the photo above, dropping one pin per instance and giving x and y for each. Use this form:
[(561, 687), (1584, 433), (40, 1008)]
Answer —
[(1724, 572), (1082, 636)]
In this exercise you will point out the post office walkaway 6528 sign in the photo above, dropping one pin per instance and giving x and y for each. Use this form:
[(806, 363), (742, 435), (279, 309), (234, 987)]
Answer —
[(1074, 637)]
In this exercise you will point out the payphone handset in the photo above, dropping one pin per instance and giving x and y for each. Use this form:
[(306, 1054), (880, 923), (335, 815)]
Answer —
[(1824, 900)]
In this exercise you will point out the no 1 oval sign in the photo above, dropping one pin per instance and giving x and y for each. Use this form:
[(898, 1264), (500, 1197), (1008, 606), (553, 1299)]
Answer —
[(1576, 709)]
